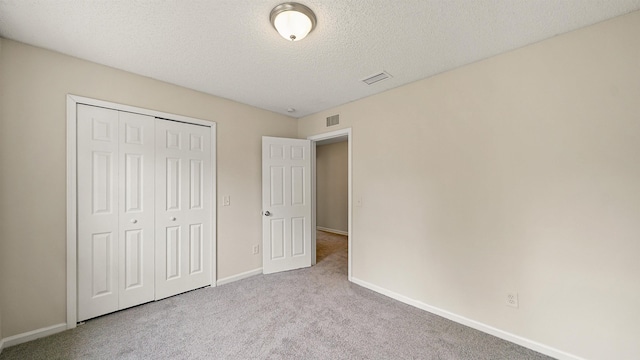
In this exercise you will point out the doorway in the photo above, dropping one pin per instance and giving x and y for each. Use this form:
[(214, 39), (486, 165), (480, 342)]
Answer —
[(326, 139)]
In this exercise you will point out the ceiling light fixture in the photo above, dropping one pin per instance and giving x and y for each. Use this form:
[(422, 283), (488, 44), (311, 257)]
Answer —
[(292, 20)]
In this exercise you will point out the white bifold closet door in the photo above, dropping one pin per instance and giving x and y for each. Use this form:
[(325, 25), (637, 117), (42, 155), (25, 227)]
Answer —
[(144, 209), (115, 210), (183, 207)]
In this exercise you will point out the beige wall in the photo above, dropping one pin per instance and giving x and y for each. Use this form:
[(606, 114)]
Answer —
[(332, 190), (517, 173), (34, 86)]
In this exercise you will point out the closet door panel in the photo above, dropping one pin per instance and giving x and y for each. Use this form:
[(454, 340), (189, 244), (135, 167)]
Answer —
[(137, 206), (98, 204), (183, 207)]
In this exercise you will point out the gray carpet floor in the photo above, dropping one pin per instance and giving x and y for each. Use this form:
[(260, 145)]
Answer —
[(313, 313)]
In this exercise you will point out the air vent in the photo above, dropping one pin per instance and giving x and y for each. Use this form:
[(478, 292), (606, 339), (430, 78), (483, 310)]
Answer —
[(370, 80), (333, 120)]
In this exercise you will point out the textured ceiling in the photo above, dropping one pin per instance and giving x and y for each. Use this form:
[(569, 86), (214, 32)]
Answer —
[(229, 49)]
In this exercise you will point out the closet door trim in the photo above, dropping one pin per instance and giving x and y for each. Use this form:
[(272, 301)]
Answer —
[(72, 224)]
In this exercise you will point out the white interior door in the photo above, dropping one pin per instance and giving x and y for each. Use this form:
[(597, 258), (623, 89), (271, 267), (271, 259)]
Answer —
[(97, 211), (144, 226), (183, 207), (136, 215), (286, 204), (115, 210)]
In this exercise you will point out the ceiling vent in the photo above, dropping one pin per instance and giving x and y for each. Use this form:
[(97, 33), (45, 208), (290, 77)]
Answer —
[(333, 120), (370, 80)]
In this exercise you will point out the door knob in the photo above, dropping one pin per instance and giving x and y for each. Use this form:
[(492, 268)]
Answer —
[(266, 213), (133, 221), (173, 218)]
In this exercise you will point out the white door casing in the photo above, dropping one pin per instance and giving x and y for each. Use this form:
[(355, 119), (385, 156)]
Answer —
[(286, 204), (183, 207)]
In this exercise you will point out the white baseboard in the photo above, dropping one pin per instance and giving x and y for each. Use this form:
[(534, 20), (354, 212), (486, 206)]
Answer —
[(32, 335), (240, 276), (339, 232), (536, 346)]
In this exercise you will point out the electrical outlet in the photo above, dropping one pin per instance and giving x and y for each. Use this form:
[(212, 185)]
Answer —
[(226, 200), (512, 299), (256, 249)]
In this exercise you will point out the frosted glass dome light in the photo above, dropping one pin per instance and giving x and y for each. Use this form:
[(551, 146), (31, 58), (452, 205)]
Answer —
[(293, 21)]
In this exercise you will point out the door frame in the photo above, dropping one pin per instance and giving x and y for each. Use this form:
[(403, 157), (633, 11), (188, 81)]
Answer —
[(72, 226), (314, 140)]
